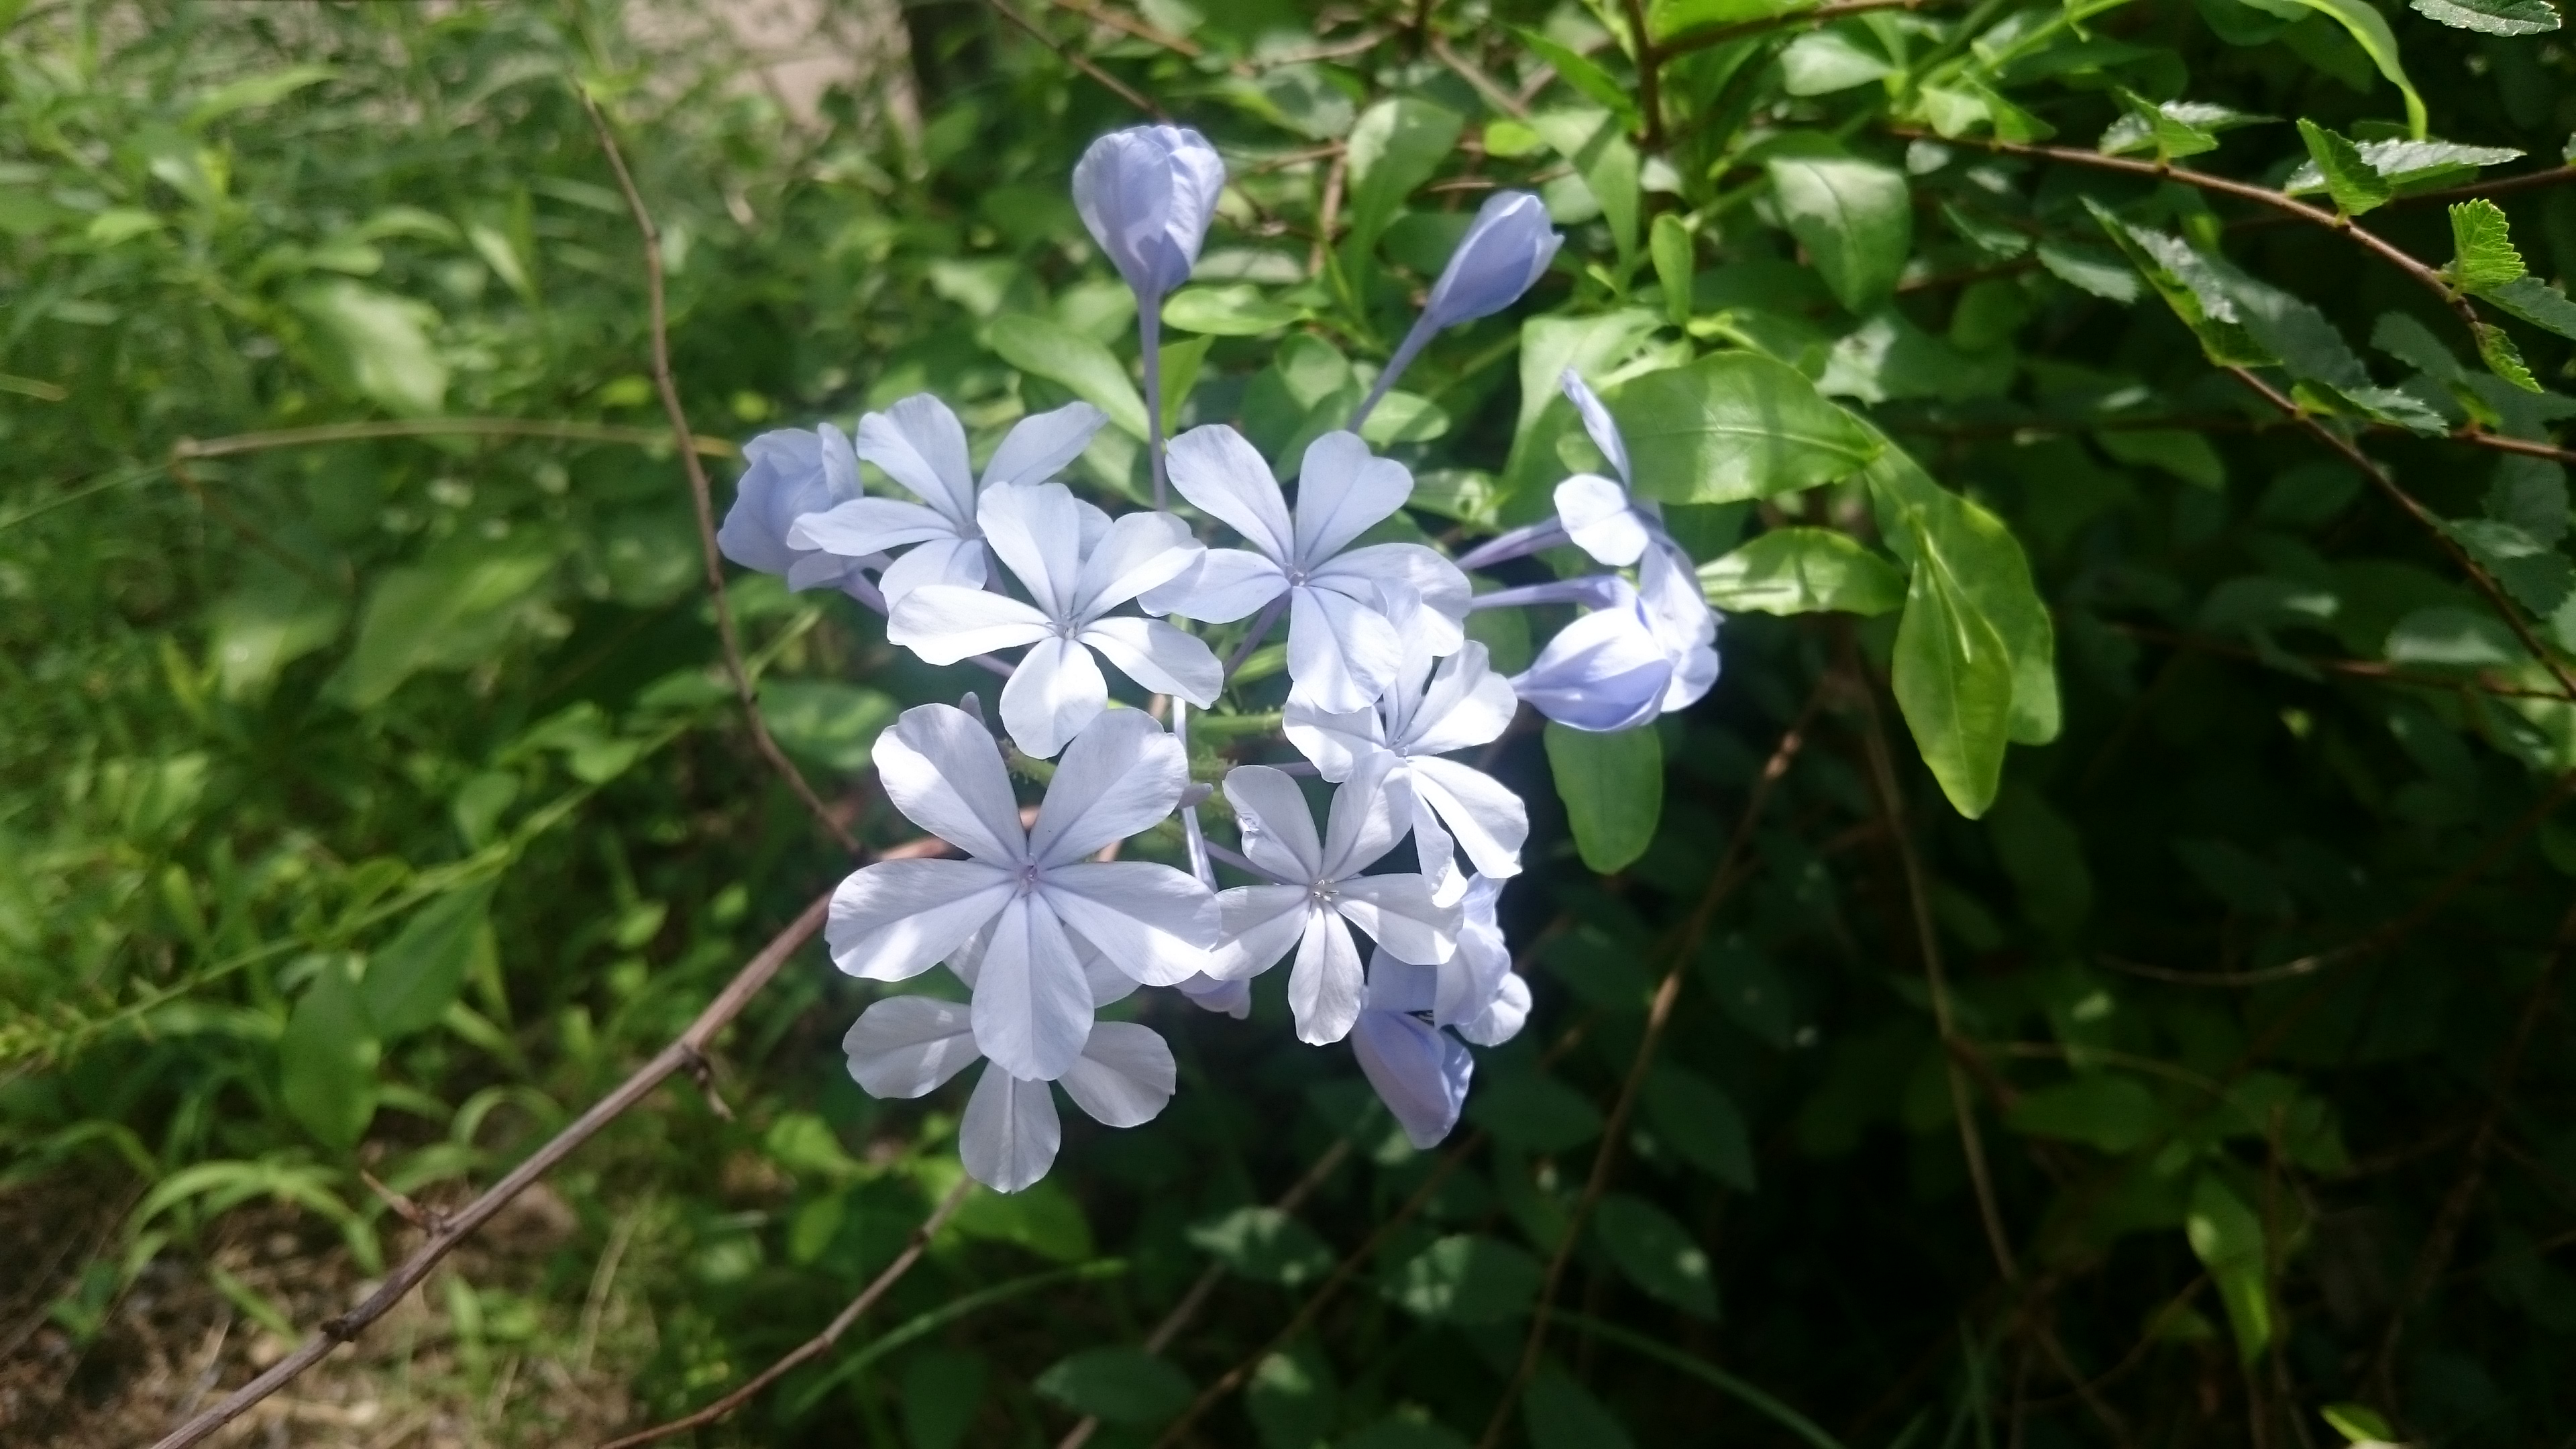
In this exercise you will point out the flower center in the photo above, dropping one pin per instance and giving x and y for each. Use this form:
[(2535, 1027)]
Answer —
[(1029, 877), (1322, 892)]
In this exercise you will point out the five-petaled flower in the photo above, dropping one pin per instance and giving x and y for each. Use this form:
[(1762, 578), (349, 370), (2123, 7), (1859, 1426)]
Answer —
[(1025, 895)]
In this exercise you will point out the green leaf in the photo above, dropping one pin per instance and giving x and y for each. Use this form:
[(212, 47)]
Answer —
[(2228, 1239), (1233, 311), (2044, 855), (833, 724), (451, 611), (942, 1390), (1669, 244), (1750, 990), (2355, 184), (1978, 555), (1179, 362), (377, 344), (2406, 164), (2447, 636), (2529, 568), (327, 1058), (2102, 1109), (2186, 455), (1043, 348), (1803, 571), (2536, 302), (2502, 358), (2358, 1424), (1562, 1415), (1596, 142), (2172, 130), (1613, 788), (1700, 1123), (2091, 270), (254, 91), (1291, 1399), (1954, 683), (1854, 217), (1590, 345), (2184, 279), (1583, 73), (1656, 1253), (1821, 62), (1466, 1278), (1044, 1219), (1534, 1112), (2483, 253), (1395, 146), (1263, 1244), (276, 617), (2369, 29), (2492, 17), (1120, 1384), (411, 981), (1735, 426)]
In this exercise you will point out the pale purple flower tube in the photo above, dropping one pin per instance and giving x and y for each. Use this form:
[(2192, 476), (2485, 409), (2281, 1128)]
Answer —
[(1504, 253)]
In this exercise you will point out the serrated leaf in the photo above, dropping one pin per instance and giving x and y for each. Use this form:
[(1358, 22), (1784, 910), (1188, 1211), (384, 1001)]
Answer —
[(2482, 251), (1613, 788), (2492, 17), (2504, 359), (2530, 570), (2413, 343), (2447, 636), (2183, 278), (1803, 571), (2406, 163), (2369, 29), (2089, 270), (2355, 184), (2536, 302), (2171, 129)]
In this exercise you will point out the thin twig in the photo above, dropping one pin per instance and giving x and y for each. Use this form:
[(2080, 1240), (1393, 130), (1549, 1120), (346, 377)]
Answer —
[(1689, 41), (2480, 437), (1093, 11), (2501, 186), (819, 1343), (2379, 478), (700, 494), (1196, 1298), (2356, 668), (1079, 61), (1721, 883), (574, 432), (691, 1043), (1650, 62), (1485, 85)]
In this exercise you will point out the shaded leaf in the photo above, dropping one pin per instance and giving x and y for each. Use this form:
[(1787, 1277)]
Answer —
[(1120, 1384), (412, 979), (1854, 217), (327, 1058), (1048, 349), (1734, 426), (1613, 788), (1264, 1244), (1466, 1278), (1803, 571)]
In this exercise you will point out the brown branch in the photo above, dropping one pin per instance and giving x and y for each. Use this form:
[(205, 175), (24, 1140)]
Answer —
[(2480, 437), (2378, 476), (690, 1045), (1079, 61), (1721, 883), (1093, 11), (2356, 668), (1196, 1298), (443, 428), (1689, 41), (819, 1343), (1882, 770), (1474, 75), (700, 494), (2501, 186)]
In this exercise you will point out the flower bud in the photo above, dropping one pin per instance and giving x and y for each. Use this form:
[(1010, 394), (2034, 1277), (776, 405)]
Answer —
[(1505, 250), (793, 472), (1147, 194)]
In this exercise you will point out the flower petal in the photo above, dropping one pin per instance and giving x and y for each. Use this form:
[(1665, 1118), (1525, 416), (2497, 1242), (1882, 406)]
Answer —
[(1155, 923), (1040, 445), (1490, 822), (921, 445), (1605, 671), (1037, 531), (1207, 993), (1466, 705), (1324, 986), (1419, 1071), (1159, 657), (897, 918), (1503, 1016), (1363, 823), (1398, 913), (1335, 742), (791, 472), (1435, 851), (906, 1046), (863, 526), (958, 562), (1261, 923), (1121, 775), (941, 768), (1010, 1132), (1278, 829), (1124, 1075), (1220, 474), (1032, 1003), (1341, 653), (1596, 515), (1220, 586), (1343, 491), (1141, 551), (1444, 591), (944, 623), (1469, 979), (1054, 691), (1605, 433)]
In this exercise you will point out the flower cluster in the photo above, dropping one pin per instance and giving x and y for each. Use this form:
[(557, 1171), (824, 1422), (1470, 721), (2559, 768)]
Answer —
[(1036, 918)]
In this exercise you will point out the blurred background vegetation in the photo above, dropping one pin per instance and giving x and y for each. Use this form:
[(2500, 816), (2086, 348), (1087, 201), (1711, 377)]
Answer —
[(370, 802)]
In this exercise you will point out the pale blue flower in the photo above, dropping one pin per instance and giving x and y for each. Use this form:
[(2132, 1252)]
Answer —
[(793, 472), (1506, 250)]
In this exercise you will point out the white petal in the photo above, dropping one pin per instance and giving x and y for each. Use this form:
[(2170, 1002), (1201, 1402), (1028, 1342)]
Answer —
[(1121, 775), (863, 526), (1324, 986), (1040, 445), (1344, 491), (1219, 587), (1363, 824), (957, 562), (1032, 1004), (921, 445), (1278, 829), (1469, 979), (1159, 657), (1261, 923), (941, 768), (1334, 742), (906, 1046), (1419, 1072), (1605, 671), (1669, 591), (1445, 591), (1207, 993), (1141, 551), (1341, 654), (1468, 704), (1055, 690), (1597, 517), (1400, 985), (1010, 1133), (1692, 677), (1398, 913), (1124, 1075), (816, 569), (1155, 923), (1220, 474), (1435, 852), (897, 918), (1108, 983), (1490, 822), (1597, 422), (944, 623), (1037, 532), (1503, 1016)]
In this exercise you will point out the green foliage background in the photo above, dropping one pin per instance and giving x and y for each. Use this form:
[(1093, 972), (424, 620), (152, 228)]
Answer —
[(370, 800)]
